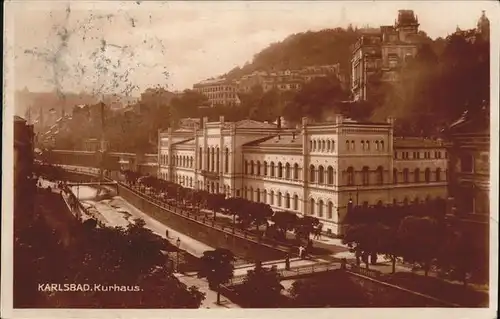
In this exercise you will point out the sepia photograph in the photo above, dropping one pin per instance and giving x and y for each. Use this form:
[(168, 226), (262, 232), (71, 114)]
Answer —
[(304, 158)]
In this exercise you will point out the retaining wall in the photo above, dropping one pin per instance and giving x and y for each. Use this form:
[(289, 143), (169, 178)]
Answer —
[(242, 247)]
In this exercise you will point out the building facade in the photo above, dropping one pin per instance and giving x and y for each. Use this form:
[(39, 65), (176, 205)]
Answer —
[(469, 165), (314, 169), (377, 56), (218, 91)]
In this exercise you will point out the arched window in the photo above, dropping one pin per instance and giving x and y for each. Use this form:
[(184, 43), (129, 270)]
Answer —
[(295, 202), (311, 174), (438, 175), (271, 199), (333, 146), (272, 169), (323, 145), (280, 170), (417, 175), (363, 145), (330, 210), (365, 175), (329, 173), (251, 168), (264, 194), (314, 145), (350, 176), (376, 145), (217, 159), (295, 171), (287, 171), (251, 194), (279, 199), (381, 145), (380, 175), (320, 208), (405, 201), (321, 175), (200, 158), (395, 175), (287, 200), (368, 145), (246, 167), (427, 175), (328, 145), (347, 145), (258, 168), (258, 195), (212, 163), (311, 145), (406, 177), (226, 161), (311, 206), (352, 145), (265, 168)]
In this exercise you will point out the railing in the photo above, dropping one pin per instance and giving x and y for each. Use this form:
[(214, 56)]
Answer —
[(292, 272), (181, 211)]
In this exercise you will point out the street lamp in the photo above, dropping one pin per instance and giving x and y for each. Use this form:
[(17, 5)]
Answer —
[(178, 243)]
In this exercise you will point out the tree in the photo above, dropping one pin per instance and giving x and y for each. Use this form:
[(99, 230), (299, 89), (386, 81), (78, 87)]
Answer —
[(262, 287), (215, 202), (261, 214), (305, 226), (217, 267), (418, 248), (334, 289), (283, 222)]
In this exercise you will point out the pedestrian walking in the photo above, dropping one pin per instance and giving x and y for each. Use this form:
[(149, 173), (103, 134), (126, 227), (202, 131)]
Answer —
[(287, 262), (301, 252), (166, 233)]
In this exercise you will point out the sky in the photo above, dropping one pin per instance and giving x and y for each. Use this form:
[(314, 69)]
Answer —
[(126, 47)]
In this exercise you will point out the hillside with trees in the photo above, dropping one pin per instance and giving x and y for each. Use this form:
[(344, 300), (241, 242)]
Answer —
[(446, 78), (299, 50)]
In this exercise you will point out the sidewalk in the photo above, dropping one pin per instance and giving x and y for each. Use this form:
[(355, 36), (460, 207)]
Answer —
[(192, 246)]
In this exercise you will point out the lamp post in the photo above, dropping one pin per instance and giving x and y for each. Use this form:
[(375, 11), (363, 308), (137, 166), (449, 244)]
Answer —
[(178, 243)]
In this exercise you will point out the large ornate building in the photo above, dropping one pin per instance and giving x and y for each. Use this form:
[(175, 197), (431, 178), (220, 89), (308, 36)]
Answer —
[(378, 55), (218, 91), (314, 169), (470, 165)]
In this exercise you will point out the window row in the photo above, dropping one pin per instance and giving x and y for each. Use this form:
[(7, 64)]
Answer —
[(285, 200), (416, 155), (212, 159), (322, 145), (319, 175), (428, 177), (365, 145)]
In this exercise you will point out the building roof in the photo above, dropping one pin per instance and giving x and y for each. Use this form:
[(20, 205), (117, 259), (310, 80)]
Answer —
[(277, 140), (254, 124), (185, 142), (471, 123), (415, 142)]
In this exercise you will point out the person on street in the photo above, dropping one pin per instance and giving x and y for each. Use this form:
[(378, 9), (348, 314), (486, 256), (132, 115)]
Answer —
[(301, 252)]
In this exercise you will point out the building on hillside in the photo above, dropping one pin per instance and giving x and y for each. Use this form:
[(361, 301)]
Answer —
[(469, 165), (315, 169), (377, 57), (219, 91), (482, 30)]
